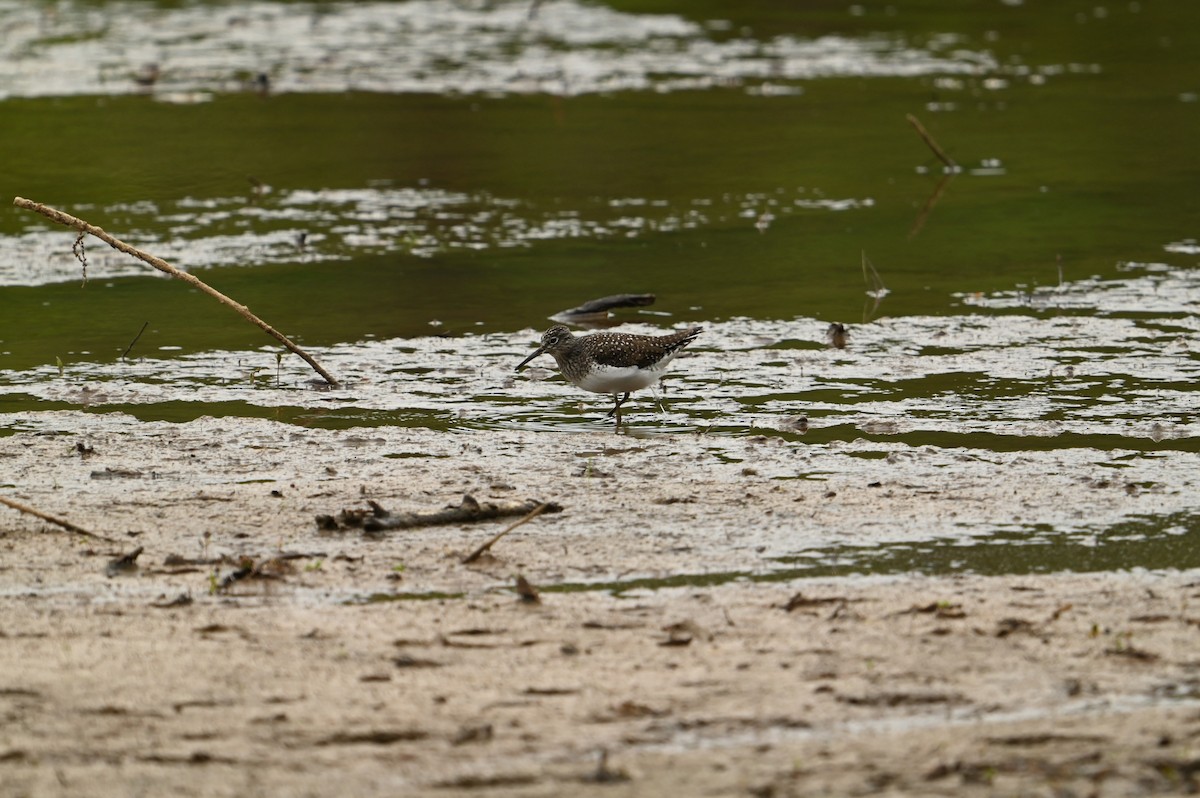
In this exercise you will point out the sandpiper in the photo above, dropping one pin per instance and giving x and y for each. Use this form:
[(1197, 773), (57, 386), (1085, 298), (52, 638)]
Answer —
[(612, 362)]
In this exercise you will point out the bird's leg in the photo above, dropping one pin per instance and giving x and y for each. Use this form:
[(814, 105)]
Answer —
[(618, 400)]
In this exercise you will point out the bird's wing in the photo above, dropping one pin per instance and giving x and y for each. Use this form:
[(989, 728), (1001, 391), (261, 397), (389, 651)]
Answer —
[(625, 350)]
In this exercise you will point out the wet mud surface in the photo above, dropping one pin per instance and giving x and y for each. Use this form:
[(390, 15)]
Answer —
[(370, 663)]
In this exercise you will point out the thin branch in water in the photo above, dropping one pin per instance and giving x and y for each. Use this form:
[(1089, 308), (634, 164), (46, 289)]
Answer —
[(67, 525), (929, 142), (68, 220), (135, 339)]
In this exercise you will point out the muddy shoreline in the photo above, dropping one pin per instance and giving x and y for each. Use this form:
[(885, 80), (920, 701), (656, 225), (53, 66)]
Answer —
[(354, 664)]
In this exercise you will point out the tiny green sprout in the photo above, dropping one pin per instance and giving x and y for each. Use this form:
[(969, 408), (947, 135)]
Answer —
[(212, 583), (59, 363), (400, 568), (315, 565)]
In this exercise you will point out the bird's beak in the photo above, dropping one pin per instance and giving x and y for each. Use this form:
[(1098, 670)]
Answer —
[(536, 352)]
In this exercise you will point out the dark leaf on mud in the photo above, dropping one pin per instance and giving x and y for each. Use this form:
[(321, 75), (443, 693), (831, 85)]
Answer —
[(406, 661), (182, 600), (684, 632), (898, 699), (125, 564), (374, 737), (473, 734), (473, 631), (939, 609), (487, 782), (375, 677), (527, 592), (800, 601), (632, 709), (610, 626), (1129, 652), (1008, 626), (1046, 738)]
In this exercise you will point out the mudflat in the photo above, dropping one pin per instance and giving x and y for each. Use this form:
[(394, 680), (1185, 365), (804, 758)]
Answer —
[(248, 649)]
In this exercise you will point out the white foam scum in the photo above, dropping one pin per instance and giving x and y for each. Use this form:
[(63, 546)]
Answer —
[(440, 46), (1014, 376), (338, 224)]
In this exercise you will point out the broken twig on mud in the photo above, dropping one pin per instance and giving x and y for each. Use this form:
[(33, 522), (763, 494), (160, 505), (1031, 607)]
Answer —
[(534, 513), (378, 519), (67, 525), (68, 220)]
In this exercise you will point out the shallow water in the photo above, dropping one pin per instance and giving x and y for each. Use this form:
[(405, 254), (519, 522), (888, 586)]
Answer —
[(412, 189)]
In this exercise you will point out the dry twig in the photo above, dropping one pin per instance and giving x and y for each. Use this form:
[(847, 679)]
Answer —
[(929, 142), (378, 519), (68, 220), (67, 525), (534, 513)]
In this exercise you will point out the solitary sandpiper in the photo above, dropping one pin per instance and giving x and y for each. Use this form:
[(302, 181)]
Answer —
[(612, 362)]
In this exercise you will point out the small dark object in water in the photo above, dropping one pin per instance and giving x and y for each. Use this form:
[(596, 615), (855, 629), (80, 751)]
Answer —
[(836, 334), (148, 75), (601, 306), (795, 424)]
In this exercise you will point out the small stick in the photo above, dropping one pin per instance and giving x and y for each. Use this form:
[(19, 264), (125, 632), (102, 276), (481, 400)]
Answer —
[(68, 220), (929, 142), (24, 508), (135, 339), (534, 513)]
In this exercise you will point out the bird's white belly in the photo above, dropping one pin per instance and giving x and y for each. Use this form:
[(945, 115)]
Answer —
[(619, 379)]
